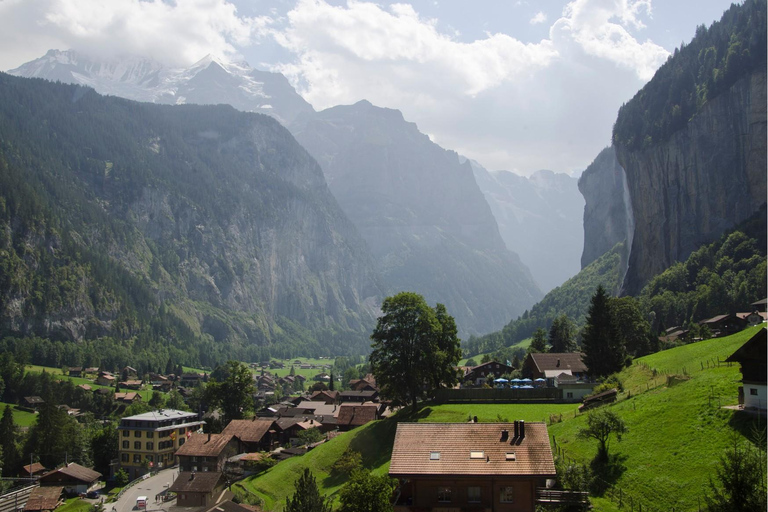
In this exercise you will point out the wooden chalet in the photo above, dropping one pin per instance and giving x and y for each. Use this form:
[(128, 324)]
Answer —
[(33, 402), (329, 397), (351, 416), (724, 325), (74, 478), (252, 435), (548, 365), (358, 396), (752, 357), (471, 466), (196, 489), (486, 373), (44, 499), (34, 469), (206, 452)]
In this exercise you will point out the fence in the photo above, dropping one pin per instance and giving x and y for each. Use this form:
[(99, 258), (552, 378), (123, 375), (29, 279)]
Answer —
[(498, 395)]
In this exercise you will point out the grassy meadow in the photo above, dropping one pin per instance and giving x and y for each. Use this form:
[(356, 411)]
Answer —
[(20, 418)]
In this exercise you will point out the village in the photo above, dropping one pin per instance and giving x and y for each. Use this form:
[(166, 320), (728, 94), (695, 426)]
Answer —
[(461, 466)]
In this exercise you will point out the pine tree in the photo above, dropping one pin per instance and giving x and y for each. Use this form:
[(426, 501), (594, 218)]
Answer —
[(307, 496), (539, 341), (603, 345), (10, 452), (332, 385), (562, 334)]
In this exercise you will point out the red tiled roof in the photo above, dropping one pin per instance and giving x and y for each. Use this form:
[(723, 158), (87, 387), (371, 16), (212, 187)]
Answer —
[(204, 445), (44, 498), (415, 443), (34, 468), (248, 431), (568, 361)]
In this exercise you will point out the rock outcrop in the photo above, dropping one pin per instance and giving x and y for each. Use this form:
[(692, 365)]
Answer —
[(705, 179), (608, 211)]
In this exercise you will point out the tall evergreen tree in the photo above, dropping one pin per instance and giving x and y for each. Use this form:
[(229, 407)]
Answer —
[(562, 335), (10, 451), (307, 496), (603, 345), (539, 341)]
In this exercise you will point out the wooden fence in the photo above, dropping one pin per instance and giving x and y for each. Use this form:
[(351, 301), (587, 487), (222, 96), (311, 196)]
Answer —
[(499, 395)]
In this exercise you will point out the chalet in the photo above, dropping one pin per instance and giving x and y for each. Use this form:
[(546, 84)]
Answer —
[(33, 402), (130, 371), (231, 506), (91, 370), (367, 383), (35, 469), (196, 489), (105, 379), (131, 384), (752, 357), (328, 397), (574, 389), (550, 365), (486, 372), (471, 466), (128, 398), (358, 396), (85, 387), (44, 499), (74, 478), (252, 435), (206, 452), (323, 377), (754, 318), (191, 379), (760, 305), (724, 325), (352, 416), (75, 371), (673, 334)]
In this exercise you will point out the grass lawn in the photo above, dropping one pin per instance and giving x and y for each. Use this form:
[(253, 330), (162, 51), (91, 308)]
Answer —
[(74, 505), (524, 344), (677, 433), (457, 413), (20, 418), (145, 392)]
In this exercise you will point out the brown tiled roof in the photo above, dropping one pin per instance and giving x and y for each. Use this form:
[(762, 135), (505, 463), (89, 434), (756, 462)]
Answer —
[(34, 468), (248, 431), (356, 415), (195, 482), (44, 498), (77, 472), (415, 442), (230, 506), (204, 445), (568, 361), (752, 350)]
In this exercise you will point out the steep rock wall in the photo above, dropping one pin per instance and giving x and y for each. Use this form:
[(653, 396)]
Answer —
[(702, 181)]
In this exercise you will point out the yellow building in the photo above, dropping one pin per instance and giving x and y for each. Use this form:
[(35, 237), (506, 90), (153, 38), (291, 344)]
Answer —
[(148, 441)]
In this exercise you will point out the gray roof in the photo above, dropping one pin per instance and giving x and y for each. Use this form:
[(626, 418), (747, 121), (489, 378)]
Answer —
[(162, 415)]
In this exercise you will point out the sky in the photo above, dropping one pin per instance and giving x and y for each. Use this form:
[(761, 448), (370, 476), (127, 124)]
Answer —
[(517, 85)]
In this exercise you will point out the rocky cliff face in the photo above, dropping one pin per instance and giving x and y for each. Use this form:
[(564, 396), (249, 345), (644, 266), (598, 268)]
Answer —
[(224, 219), (608, 216), (539, 218), (705, 179), (421, 212)]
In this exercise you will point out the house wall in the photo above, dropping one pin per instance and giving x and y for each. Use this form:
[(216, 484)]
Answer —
[(758, 400), (193, 499), (423, 493)]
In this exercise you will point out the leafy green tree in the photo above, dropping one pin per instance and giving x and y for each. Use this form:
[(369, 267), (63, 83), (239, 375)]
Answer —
[(264, 462), (539, 341), (311, 435), (562, 335), (349, 461), (471, 362), (740, 484), (121, 478), (367, 493), (602, 343), (414, 348), (601, 425), (307, 497), (635, 329), (8, 437), (486, 359), (231, 389), (104, 443), (157, 401)]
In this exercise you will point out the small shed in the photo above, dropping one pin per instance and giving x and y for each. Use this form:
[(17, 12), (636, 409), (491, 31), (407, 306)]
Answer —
[(44, 499)]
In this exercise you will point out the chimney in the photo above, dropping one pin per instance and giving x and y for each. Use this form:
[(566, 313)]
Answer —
[(517, 430), (209, 438), (504, 435), (192, 476), (474, 420), (558, 362), (522, 429)]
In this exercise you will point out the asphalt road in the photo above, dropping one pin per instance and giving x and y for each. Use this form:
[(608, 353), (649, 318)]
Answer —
[(150, 488)]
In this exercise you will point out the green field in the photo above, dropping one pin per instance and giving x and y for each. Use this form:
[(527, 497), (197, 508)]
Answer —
[(20, 418), (145, 392), (524, 344), (676, 434)]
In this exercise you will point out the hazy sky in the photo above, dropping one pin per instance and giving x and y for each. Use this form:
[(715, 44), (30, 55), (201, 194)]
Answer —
[(516, 85)]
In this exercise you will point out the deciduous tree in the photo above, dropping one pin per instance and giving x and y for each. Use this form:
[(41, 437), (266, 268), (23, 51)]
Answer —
[(367, 493), (601, 424), (415, 348), (231, 389)]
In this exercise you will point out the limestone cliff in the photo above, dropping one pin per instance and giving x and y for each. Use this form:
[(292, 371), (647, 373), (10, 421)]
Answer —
[(608, 212), (704, 179)]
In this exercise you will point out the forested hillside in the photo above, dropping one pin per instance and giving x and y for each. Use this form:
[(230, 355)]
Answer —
[(197, 232), (571, 299)]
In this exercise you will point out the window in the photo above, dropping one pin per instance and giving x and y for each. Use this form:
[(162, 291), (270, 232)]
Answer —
[(194, 468), (182, 441), (150, 458), (150, 435), (137, 459), (569, 394), (150, 446), (510, 456), (507, 495), (753, 391), (126, 433), (137, 433), (444, 494), (124, 457), (473, 495), (434, 455), (477, 454), (126, 445), (137, 445), (205, 468)]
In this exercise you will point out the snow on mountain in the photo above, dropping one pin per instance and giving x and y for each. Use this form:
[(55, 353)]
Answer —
[(210, 80)]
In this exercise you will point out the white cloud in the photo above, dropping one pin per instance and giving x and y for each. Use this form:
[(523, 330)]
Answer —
[(179, 32), (539, 17)]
